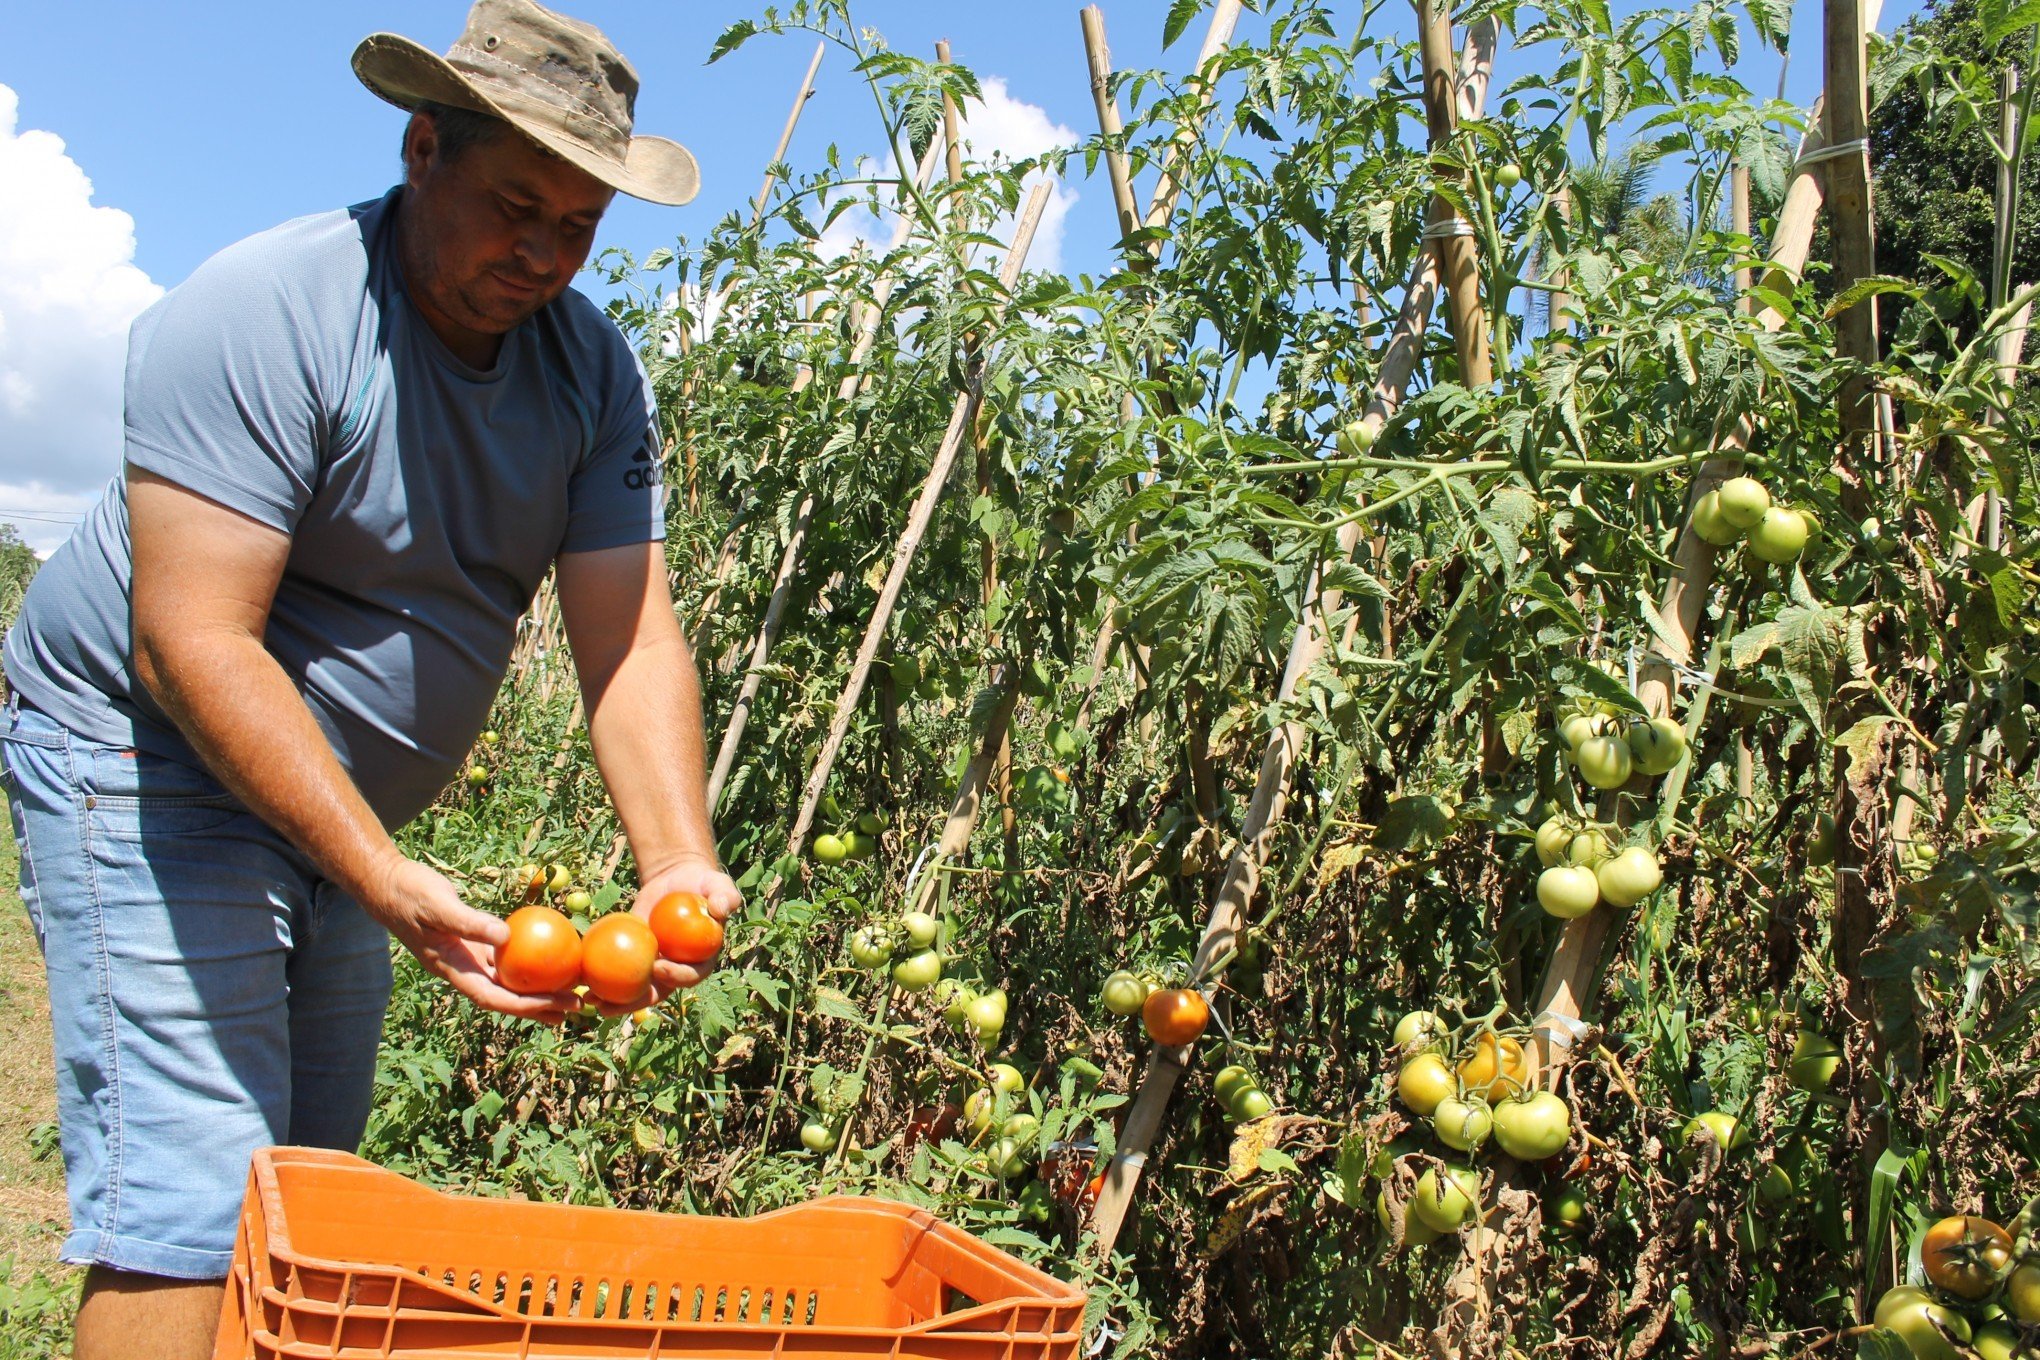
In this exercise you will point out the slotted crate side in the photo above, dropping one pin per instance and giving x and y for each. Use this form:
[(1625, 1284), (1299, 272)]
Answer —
[(402, 1271)]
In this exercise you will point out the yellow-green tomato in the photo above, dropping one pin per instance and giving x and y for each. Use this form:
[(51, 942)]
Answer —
[(2022, 1292), (1578, 729), (1780, 536), (1508, 176), (870, 947), (1995, 1341), (1124, 994), (920, 928), (1007, 1080), (1249, 1104), (1589, 848), (1534, 1127), (980, 1107), (1416, 1232), (1568, 891), (1021, 1127), (1446, 1202), (1355, 438), (1719, 1125), (1930, 1331), (1604, 761), (829, 849), (1462, 1125), (917, 972), (1007, 1157), (1743, 502), (1553, 838), (1710, 524), (1656, 746), (1814, 1060), (1629, 877), (816, 1136), (1230, 1081), (577, 901), (1775, 1185), (1424, 1082), (954, 997), (1565, 1208), (1418, 1029)]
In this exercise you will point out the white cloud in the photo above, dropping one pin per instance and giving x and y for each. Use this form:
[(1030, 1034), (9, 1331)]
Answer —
[(68, 291), (997, 127)]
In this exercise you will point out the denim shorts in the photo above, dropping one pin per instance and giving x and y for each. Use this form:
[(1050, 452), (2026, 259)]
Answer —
[(210, 994)]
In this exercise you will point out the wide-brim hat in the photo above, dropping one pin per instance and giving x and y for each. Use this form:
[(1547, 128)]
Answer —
[(558, 81)]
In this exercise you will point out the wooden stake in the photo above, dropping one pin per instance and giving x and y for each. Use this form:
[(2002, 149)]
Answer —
[(1099, 56), (961, 416), (1739, 223), (761, 649), (1450, 234)]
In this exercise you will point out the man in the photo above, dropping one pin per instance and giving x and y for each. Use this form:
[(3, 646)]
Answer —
[(354, 446)]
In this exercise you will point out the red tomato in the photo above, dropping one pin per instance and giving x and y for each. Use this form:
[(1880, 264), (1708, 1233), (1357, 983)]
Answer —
[(543, 953), (617, 958), (686, 931)]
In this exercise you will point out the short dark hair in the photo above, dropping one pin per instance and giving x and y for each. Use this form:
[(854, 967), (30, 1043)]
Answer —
[(459, 129)]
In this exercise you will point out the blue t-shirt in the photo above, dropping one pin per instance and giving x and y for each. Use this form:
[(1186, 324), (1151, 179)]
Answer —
[(291, 379)]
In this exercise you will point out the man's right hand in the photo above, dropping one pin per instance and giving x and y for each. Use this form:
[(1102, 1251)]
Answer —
[(422, 908)]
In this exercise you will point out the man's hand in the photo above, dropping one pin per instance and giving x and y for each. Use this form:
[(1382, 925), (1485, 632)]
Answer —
[(691, 874), (453, 940)]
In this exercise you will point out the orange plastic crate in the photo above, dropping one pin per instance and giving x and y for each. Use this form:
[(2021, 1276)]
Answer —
[(341, 1259)]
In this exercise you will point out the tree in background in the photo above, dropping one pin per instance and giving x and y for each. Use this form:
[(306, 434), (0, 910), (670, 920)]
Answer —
[(18, 564), (1935, 177)]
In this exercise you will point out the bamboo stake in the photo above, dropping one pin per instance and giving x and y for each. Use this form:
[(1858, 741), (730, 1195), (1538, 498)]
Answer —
[(1224, 18), (761, 649), (1099, 57), (1271, 790), (1739, 223), (961, 417), (1450, 234)]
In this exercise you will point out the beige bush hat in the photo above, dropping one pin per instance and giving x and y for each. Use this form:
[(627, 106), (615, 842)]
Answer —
[(555, 79)]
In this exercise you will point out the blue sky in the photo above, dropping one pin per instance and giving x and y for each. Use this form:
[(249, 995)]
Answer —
[(205, 123)]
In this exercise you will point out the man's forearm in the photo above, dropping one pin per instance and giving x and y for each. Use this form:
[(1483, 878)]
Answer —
[(645, 723), (249, 724)]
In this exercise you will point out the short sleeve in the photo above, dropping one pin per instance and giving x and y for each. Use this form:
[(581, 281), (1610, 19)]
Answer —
[(223, 393), (617, 495)]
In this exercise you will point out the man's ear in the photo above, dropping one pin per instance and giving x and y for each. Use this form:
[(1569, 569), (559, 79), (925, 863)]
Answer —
[(421, 144)]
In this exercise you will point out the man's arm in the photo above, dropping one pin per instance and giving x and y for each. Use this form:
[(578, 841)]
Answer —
[(643, 698), (204, 580)]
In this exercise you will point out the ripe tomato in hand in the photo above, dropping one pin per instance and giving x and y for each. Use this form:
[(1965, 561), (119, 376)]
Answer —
[(543, 953), (1175, 1015), (617, 958), (687, 933)]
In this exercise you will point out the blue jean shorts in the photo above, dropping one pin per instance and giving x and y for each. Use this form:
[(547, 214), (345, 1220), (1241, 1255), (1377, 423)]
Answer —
[(210, 994)]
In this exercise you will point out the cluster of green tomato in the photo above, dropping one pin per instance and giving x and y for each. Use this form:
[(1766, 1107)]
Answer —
[(997, 1111), (478, 773), (1488, 1094), (1240, 1095), (859, 840), (1582, 869), (909, 948), (1607, 751), (1740, 510)]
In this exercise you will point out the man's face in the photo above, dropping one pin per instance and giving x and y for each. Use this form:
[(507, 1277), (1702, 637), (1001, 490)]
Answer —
[(495, 234)]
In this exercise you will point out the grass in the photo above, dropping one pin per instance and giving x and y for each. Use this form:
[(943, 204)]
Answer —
[(37, 1294)]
